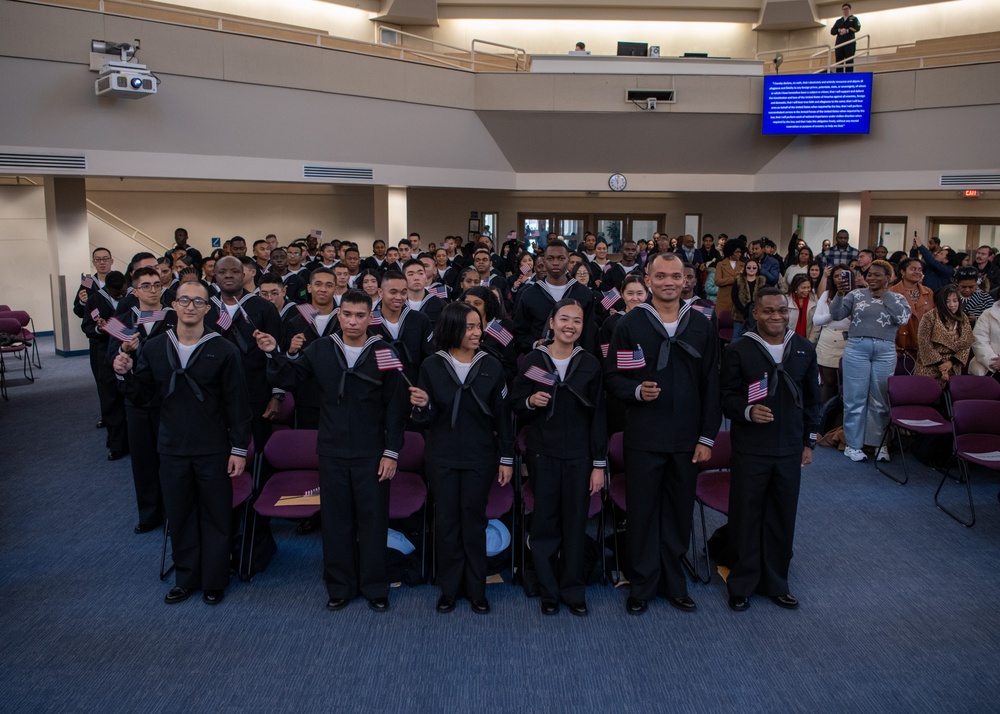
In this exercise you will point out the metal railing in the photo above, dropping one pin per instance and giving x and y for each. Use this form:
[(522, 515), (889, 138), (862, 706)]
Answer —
[(459, 58), (879, 58), (125, 228)]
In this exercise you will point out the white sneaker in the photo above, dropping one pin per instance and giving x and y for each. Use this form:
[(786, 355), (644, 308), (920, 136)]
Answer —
[(855, 454), (883, 454)]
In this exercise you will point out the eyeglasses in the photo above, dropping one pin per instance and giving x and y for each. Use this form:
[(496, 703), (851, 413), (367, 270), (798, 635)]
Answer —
[(103, 260), (187, 301), (148, 286)]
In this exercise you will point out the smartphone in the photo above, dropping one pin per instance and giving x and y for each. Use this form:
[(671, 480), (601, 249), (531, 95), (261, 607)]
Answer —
[(847, 276)]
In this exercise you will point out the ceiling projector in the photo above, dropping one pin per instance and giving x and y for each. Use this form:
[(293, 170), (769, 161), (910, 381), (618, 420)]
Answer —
[(128, 80)]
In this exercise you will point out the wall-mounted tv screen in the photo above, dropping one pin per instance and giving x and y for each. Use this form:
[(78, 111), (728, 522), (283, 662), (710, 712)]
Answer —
[(817, 103), (633, 49)]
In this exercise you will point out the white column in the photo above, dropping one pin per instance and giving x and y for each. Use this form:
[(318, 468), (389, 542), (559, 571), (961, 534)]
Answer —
[(390, 214), (850, 210), (69, 255)]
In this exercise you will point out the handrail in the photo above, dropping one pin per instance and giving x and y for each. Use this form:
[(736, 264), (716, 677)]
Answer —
[(110, 219), (450, 60), (519, 64)]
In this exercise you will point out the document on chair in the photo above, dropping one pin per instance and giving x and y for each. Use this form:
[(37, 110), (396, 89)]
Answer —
[(920, 422), (987, 456)]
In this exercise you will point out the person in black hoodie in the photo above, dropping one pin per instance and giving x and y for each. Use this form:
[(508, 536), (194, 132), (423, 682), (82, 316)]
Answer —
[(559, 396), (770, 391), (360, 436), (197, 378), (461, 401), (663, 361)]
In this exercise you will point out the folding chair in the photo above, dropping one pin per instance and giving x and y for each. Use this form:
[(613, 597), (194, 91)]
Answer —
[(711, 490), (914, 407), (286, 417), (11, 326), (970, 386), (291, 460), (408, 490), (977, 441), (27, 336), (725, 326), (242, 490)]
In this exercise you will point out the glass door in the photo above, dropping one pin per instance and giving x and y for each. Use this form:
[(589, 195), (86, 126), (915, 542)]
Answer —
[(611, 230), (888, 231)]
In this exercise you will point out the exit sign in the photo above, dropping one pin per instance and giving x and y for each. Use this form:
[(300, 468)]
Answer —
[(972, 193)]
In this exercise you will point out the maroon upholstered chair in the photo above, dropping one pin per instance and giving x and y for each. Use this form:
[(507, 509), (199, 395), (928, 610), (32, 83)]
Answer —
[(970, 386), (915, 404), (408, 490), (711, 491), (977, 441), (11, 326)]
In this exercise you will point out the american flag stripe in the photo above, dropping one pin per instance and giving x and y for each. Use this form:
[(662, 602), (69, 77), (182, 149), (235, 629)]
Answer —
[(312, 492), (527, 268), (146, 316), (224, 321), (87, 282), (438, 291), (485, 283), (95, 314), (308, 312), (757, 390), (537, 374), (604, 350), (386, 361), (376, 320), (629, 359), (117, 329), (499, 333), (610, 298)]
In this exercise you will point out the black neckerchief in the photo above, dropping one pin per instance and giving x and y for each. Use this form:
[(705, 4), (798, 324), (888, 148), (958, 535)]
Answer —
[(668, 341), (779, 367), (341, 353), (574, 362), (174, 360), (465, 386)]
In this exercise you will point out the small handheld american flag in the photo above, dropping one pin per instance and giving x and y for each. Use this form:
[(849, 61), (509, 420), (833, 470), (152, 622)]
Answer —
[(604, 350), (246, 317), (308, 312), (610, 298), (757, 390), (86, 281), (312, 492), (117, 329), (631, 359), (537, 374), (527, 268), (376, 319), (148, 316), (499, 333), (387, 360), (224, 321), (485, 283), (438, 290), (95, 314)]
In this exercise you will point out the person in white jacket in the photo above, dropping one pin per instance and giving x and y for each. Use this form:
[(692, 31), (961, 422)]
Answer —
[(986, 343)]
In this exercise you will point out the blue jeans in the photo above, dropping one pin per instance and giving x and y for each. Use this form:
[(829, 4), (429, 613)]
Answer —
[(737, 331), (868, 364)]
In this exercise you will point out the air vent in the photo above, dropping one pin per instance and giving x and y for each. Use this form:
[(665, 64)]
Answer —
[(641, 95), (338, 172), (970, 180), (42, 162)]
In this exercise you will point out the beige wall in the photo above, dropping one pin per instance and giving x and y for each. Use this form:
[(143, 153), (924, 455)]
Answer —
[(24, 269)]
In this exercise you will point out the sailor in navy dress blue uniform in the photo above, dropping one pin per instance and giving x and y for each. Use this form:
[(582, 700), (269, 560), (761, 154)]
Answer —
[(770, 391)]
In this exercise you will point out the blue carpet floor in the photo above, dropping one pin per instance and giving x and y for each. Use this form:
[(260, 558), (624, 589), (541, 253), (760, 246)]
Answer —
[(899, 609)]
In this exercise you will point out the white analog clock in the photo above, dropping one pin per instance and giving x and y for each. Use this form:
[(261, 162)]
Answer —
[(617, 182)]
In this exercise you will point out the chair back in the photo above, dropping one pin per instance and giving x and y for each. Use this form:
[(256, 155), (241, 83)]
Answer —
[(912, 390), (968, 386), (292, 449), (725, 319), (286, 415), (411, 458), (616, 453), (722, 454), (10, 326), (21, 316), (500, 501), (976, 416), (4, 308)]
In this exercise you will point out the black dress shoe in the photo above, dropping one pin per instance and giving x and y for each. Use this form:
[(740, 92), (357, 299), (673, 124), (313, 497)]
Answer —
[(145, 528), (683, 603), (739, 604), (101, 424), (550, 607), (481, 606), (379, 604), (115, 455), (177, 594), (786, 601), (578, 608), (635, 606), (337, 603), (446, 603), (213, 597)]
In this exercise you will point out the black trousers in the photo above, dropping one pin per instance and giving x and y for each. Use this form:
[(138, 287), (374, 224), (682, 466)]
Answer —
[(842, 52), (659, 494), (355, 511), (763, 499), (198, 497), (460, 497), (260, 427), (143, 426), (112, 408), (559, 525)]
